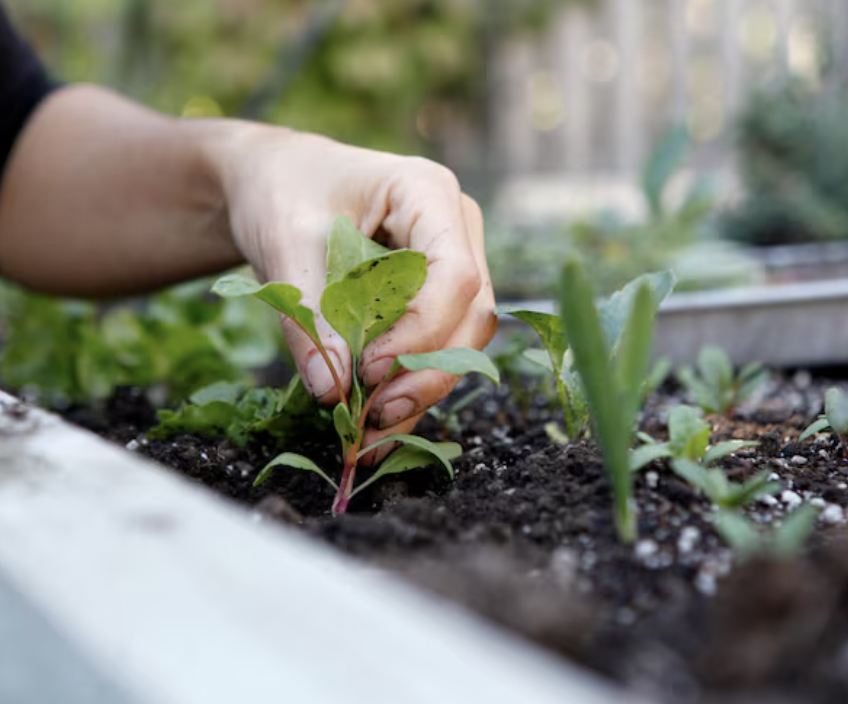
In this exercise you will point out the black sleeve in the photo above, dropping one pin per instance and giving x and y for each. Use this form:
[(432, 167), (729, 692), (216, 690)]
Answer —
[(23, 83)]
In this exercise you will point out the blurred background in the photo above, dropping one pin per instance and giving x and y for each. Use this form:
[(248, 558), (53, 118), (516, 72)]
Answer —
[(642, 134)]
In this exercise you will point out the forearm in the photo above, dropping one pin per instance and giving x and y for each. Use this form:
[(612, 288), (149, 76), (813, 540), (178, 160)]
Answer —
[(104, 197)]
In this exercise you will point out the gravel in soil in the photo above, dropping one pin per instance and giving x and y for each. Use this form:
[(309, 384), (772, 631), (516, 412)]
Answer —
[(525, 537)]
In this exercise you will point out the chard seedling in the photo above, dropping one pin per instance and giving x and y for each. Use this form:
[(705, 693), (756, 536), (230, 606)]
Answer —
[(715, 386), (558, 359), (447, 413), (689, 437), (835, 417), (719, 489), (783, 541), (611, 375), (367, 289)]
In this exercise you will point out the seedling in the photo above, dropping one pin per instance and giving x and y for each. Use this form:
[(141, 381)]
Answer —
[(611, 376), (835, 417), (447, 414), (558, 359), (784, 541), (689, 437), (715, 386), (367, 289), (719, 489)]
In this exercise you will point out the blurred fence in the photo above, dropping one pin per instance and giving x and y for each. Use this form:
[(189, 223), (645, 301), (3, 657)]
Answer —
[(591, 95)]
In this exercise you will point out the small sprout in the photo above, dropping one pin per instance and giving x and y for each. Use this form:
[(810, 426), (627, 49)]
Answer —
[(784, 541), (611, 346), (367, 290), (714, 385), (558, 359), (719, 489), (835, 417), (447, 414), (689, 437)]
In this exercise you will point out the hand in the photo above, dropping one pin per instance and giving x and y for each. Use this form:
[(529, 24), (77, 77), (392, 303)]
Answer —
[(283, 190)]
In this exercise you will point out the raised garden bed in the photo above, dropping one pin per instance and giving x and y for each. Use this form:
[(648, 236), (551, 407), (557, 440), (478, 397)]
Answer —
[(525, 537)]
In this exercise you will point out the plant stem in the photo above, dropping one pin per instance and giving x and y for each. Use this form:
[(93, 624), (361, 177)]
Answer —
[(349, 472)]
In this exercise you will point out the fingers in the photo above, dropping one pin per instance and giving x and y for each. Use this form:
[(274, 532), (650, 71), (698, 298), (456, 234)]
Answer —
[(448, 227), (411, 393), (307, 272)]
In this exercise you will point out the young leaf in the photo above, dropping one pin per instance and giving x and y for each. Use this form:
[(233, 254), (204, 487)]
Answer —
[(347, 247), (836, 409), (409, 457), (814, 427), (591, 356), (284, 297), (789, 538), (458, 360), (645, 454), (548, 327), (634, 349), (616, 309), (226, 391), (345, 427), (291, 459), (689, 434), (432, 447), (372, 296), (722, 449), (540, 358), (738, 532)]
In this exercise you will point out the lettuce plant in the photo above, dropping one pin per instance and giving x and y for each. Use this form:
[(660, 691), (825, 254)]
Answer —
[(835, 417), (367, 289), (715, 386), (559, 360)]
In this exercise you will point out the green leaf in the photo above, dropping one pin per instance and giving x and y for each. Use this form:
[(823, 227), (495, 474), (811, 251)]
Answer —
[(372, 296), (226, 391), (789, 538), (540, 358), (634, 349), (645, 454), (591, 357), (345, 427), (347, 247), (689, 434), (616, 309), (739, 533), (291, 459), (283, 297), (722, 449), (410, 457), (815, 427), (692, 473), (213, 418), (459, 361), (836, 409), (421, 443), (548, 327)]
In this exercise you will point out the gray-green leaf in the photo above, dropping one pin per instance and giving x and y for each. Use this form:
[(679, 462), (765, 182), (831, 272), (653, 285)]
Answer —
[(347, 247), (411, 456), (458, 361)]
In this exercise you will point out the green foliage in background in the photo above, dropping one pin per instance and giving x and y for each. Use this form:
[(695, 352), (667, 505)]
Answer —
[(792, 139), (60, 352), (392, 75)]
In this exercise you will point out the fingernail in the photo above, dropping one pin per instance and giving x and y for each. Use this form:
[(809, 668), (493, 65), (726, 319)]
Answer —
[(319, 380), (395, 411), (376, 370)]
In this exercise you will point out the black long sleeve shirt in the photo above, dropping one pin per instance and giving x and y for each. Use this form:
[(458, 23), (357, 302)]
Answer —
[(23, 83)]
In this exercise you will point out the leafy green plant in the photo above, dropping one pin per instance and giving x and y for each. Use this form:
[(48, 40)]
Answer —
[(835, 417), (60, 351), (558, 359), (237, 412), (782, 541), (689, 438), (611, 375), (715, 386), (367, 289)]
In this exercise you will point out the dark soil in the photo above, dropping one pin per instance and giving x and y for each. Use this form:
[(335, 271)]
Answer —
[(525, 537)]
